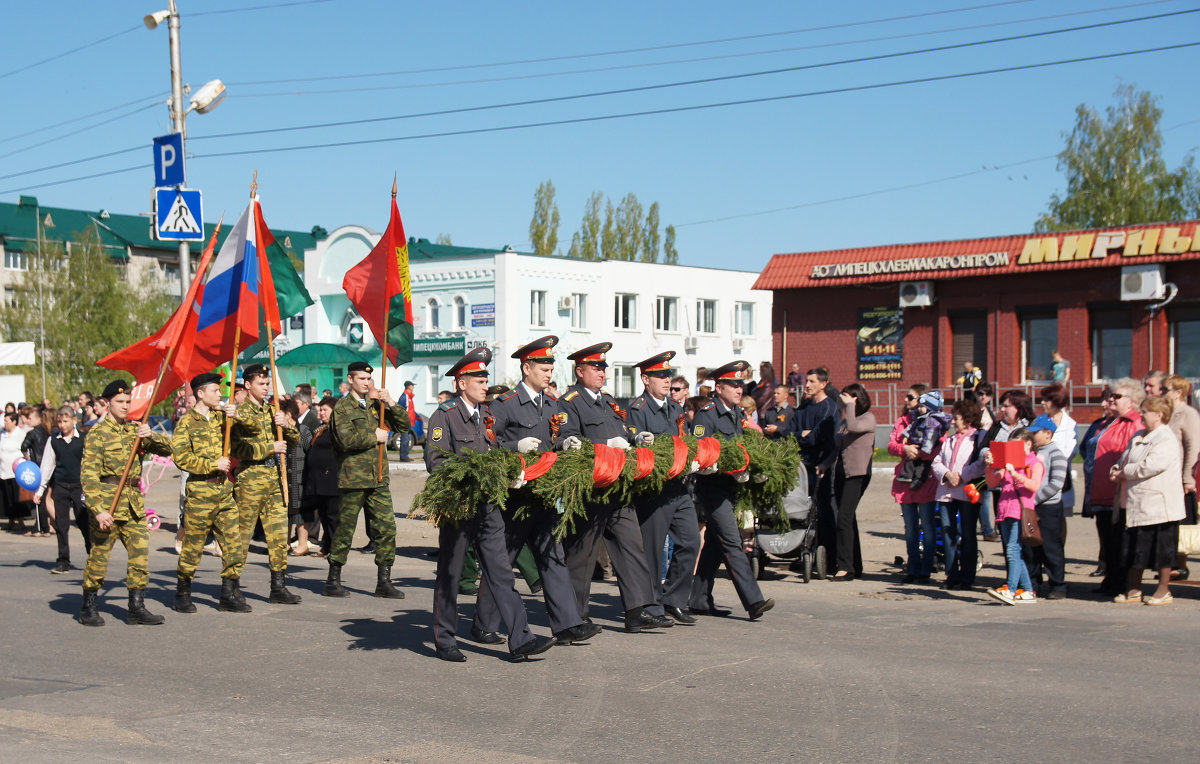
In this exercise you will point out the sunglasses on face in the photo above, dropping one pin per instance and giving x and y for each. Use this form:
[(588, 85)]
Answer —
[(678, 389), (1117, 396), (910, 397)]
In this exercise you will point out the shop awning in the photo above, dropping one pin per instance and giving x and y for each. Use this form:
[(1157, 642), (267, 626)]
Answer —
[(322, 354)]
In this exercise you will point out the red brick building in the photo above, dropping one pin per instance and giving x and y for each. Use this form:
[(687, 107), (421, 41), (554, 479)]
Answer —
[(1003, 303)]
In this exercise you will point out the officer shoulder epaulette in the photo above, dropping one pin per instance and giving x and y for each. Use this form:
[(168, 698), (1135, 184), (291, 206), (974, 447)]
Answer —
[(708, 406), (571, 395), (448, 405), (507, 395), (550, 395), (638, 402)]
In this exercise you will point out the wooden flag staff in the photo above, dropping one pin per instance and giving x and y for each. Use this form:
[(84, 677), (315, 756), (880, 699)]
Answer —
[(383, 366)]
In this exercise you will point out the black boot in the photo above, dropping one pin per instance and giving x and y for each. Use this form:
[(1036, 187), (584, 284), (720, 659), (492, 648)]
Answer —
[(88, 615), (138, 614), (183, 596), (384, 587), (333, 583), (231, 599), (279, 592)]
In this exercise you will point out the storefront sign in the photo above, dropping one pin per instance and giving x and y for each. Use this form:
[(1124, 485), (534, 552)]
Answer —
[(438, 347), (910, 265), (484, 314), (880, 343), (1089, 246)]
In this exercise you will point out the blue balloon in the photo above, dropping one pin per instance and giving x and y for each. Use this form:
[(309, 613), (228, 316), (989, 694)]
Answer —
[(29, 475)]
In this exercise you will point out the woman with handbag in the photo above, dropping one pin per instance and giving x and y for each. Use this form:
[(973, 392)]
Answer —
[(954, 471), (1127, 396), (1019, 484)]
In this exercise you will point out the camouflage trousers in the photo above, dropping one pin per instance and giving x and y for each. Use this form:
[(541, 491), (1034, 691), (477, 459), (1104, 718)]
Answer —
[(135, 537), (258, 497), (377, 503), (210, 506)]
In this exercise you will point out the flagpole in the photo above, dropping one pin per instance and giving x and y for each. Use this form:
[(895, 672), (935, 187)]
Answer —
[(278, 428), (237, 342), (383, 366)]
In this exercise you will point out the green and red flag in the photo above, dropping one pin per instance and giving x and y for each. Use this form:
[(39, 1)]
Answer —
[(380, 289)]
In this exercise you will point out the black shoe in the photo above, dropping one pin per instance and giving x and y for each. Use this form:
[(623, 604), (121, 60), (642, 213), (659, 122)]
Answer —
[(279, 592), (598, 574), (535, 646), (924, 580), (138, 614), (88, 615), (1056, 594), (536, 587), (384, 587), (950, 586), (486, 637), (333, 582), (368, 548), (758, 608), (231, 601), (718, 612), (1100, 572), (62, 567), (908, 579), (679, 616), (183, 596), (638, 620), (452, 654), (576, 634)]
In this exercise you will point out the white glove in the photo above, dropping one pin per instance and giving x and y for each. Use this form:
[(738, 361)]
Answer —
[(527, 445), (618, 442), (572, 443), (709, 470), (760, 478), (644, 439), (520, 481), (742, 477), (693, 466)]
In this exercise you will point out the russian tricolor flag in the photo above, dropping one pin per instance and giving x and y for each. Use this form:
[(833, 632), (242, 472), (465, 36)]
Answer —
[(231, 294)]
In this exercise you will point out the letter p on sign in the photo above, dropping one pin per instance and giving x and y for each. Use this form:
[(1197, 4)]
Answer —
[(168, 160)]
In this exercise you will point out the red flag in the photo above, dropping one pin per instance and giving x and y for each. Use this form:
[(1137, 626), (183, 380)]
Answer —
[(380, 286)]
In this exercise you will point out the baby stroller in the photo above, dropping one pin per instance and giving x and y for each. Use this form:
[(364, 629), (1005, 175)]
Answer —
[(798, 543)]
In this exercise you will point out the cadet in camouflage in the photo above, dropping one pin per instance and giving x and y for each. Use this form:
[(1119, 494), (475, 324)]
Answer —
[(198, 442), (105, 453), (259, 492), (356, 440)]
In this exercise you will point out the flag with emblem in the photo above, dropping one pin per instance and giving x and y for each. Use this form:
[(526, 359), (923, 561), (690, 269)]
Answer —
[(380, 290)]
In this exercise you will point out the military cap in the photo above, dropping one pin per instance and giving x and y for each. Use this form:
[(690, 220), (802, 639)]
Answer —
[(200, 380), (254, 370), (593, 354), (239, 385), (116, 387), (472, 364), (658, 365), (539, 350), (495, 390), (359, 366), (730, 372)]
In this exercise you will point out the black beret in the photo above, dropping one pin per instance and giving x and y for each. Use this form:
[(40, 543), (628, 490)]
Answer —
[(254, 370), (209, 378), (359, 366), (116, 387)]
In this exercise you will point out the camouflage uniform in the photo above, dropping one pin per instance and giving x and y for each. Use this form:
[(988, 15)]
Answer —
[(105, 451), (197, 443), (353, 424), (258, 492)]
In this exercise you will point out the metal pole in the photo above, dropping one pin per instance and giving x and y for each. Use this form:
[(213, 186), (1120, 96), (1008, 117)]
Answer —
[(41, 304), (178, 116)]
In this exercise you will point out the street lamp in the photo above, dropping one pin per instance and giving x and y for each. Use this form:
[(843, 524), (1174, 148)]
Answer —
[(203, 101)]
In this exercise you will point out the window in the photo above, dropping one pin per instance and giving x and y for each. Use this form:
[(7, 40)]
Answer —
[(15, 261), (1185, 341), (625, 312), (10, 296), (968, 338), (743, 318), (666, 314), (622, 380), (1112, 344), (460, 313), (1039, 338), (706, 316), (432, 319), (432, 380), (537, 308), (579, 312)]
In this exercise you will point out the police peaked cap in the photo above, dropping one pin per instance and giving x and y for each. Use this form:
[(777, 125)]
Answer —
[(730, 372), (538, 350), (473, 364), (116, 387), (658, 365), (208, 378), (593, 354)]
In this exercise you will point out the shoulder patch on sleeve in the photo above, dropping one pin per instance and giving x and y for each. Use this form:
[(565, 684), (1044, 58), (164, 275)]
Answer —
[(638, 403), (698, 431), (448, 405), (436, 434), (571, 395), (708, 406)]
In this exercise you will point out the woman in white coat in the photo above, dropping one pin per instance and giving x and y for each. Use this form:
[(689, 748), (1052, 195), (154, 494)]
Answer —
[(1149, 473)]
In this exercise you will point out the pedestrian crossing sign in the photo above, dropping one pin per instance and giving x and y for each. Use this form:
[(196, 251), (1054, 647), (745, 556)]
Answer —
[(178, 214)]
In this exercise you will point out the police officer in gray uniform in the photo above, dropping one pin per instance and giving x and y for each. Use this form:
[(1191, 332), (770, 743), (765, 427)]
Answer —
[(593, 414), (458, 426), (522, 419), (723, 416), (654, 414)]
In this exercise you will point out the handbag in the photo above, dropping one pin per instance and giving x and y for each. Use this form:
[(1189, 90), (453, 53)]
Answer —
[(1031, 529)]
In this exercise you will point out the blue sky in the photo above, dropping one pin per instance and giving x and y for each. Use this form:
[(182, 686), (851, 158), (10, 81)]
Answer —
[(700, 165)]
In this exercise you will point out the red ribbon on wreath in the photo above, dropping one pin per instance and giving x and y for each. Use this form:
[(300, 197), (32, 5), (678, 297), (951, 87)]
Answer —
[(545, 461), (708, 451), (608, 465), (681, 458), (745, 464), (645, 463)]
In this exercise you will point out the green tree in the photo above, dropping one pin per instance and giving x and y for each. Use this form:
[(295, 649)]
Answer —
[(88, 304), (628, 228), (543, 227), (670, 254), (1115, 170), (586, 241), (608, 234), (650, 236), (444, 240)]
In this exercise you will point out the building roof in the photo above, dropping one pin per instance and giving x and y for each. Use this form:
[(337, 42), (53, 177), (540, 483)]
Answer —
[(426, 250), (1126, 245)]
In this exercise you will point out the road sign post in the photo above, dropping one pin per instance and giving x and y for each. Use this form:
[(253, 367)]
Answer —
[(178, 214), (168, 160)]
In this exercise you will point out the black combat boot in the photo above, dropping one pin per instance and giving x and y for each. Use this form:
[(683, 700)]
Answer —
[(237, 595), (384, 587), (333, 584), (183, 596), (138, 614), (279, 592), (231, 602), (88, 615)]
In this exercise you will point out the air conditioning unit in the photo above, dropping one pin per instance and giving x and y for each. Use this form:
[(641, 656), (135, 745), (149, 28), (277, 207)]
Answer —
[(566, 302), (738, 344), (690, 343), (916, 294), (1142, 282)]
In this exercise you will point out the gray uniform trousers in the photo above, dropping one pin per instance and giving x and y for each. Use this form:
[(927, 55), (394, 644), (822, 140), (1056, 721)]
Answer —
[(722, 541), (619, 527), (536, 529), (671, 512), (486, 532)]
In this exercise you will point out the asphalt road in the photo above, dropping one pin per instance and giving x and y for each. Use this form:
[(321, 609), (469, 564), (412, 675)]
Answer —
[(867, 670)]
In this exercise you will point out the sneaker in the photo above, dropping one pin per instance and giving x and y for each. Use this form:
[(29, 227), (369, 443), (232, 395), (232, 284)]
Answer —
[(1002, 594), (60, 568), (1024, 596)]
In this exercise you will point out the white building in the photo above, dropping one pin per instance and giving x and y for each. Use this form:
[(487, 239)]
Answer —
[(465, 297)]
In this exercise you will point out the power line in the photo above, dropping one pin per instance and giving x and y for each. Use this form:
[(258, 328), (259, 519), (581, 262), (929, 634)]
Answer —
[(80, 130), (104, 174), (71, 162), (684, 83), (60, 123), (271, 6)]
